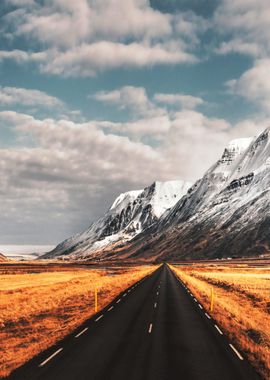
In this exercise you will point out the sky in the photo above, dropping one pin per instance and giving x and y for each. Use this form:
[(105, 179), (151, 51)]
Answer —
[(98, 97)]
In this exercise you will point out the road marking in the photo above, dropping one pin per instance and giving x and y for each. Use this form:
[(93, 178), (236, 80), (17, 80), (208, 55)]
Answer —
[(155, 305), (200, 306), (208, 316), (157, 293), (124, 294), (101, 316), (237, 353), (50, 357), (218, 329), (150, 328), (80, 333), (110, 308), (195, 300), (128, 290), (118, 300)]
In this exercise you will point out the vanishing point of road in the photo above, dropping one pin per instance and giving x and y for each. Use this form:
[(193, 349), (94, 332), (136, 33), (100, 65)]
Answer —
[(154, 330)]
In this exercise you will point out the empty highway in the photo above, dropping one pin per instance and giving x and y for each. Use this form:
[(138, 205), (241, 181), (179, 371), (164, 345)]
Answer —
[(155, 330)]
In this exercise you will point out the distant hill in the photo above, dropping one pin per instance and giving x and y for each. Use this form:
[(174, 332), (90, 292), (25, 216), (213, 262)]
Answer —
[(3, 258)]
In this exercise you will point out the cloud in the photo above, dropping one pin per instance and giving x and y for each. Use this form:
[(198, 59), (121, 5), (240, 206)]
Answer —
[(130, 98), (246, 25), (88, 59), (179, 100), (27, 97), (80, 39), (72, 172), (254, 85)]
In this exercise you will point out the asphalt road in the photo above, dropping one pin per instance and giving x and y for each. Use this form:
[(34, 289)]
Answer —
[(154, 330)]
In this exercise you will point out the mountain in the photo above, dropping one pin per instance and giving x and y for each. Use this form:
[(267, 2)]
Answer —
[(130, 214), (3, 258), (226, 213)]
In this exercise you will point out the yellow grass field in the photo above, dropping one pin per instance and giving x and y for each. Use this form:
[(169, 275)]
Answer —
[(241, 306), (38, 309)]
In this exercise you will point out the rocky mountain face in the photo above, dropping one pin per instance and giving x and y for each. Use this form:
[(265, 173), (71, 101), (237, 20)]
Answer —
[(224, 214), (130, 214)]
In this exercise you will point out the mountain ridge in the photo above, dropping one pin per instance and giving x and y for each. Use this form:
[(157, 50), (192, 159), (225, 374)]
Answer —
[(223, 214), (130, 214)]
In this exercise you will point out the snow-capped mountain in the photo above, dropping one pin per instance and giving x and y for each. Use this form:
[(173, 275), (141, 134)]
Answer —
[(130, 214), (226, 213)]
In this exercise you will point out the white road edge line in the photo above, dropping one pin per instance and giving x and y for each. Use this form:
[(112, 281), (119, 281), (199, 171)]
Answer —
[(218, 329), (110, 308), (118, 300), (80, 333), (150, 328), (155, 305), (237, 353), (200, 306), (50, 357), (208, 316), (101, 316)]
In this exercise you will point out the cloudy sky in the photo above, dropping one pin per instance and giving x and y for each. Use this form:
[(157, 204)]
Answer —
[(98, 97)]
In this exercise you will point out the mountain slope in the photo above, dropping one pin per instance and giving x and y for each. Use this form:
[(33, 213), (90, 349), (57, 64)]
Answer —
[(130, 214), (226, 213), (3, 258)]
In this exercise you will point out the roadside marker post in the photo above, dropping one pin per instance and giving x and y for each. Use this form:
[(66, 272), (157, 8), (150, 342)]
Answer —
[(212, 299), (96, 300)]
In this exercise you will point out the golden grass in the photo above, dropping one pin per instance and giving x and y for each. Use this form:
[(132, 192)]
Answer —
[(241, 306), (38, 309)]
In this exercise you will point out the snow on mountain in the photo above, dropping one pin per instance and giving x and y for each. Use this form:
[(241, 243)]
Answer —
[(225, 213), (130, 214)]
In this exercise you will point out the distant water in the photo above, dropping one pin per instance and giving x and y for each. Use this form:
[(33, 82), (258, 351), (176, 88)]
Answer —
[(24, 252)]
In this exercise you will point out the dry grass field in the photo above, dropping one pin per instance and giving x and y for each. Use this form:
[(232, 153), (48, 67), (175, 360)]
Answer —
[(39, 308), (241, 305)]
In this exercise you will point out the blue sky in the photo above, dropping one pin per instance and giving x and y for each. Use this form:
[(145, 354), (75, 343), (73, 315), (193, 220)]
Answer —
[(100, 97)]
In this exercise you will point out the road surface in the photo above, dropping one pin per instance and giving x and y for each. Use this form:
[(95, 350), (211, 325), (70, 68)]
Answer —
[(154, 330)]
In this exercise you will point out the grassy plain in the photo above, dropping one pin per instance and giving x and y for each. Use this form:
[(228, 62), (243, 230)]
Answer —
[(39, 306), (241, 305)]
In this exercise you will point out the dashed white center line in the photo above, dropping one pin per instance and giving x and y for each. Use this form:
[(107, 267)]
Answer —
[(237, 353), (110, 308), (50, 357), (118, 300), (218, 329), (200, 306), (157, 293), (155, 305), (150, 328), (208, 316), (124, 294), (101, 316), (128, 290), (80, 333)]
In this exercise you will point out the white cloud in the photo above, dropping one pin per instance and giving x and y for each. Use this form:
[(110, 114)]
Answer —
[(254, 85), (75, 170), (246, 23), (84, 37), (27, 97), (127, 96), (131, 98), (88, 59), (179, 100)]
